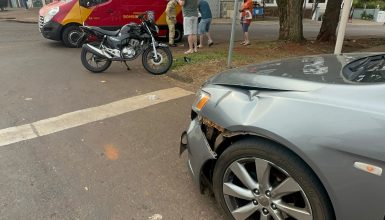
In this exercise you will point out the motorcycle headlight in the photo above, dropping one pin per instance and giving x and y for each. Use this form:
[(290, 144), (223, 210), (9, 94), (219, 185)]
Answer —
[(201, 100), (50, 14)]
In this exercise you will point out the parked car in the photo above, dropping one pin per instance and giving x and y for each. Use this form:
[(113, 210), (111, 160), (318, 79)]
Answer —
[(60, 20), (301, 138)]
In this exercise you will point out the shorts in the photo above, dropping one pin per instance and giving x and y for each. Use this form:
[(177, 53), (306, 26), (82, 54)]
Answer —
[(245, 27), (190, 25), (204, 26)]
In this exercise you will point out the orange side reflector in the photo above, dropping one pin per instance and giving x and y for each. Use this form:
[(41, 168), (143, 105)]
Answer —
[(202, 102), (369, 168)]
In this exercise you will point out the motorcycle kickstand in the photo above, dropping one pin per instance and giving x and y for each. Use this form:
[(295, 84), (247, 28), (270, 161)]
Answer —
[(125, 63)]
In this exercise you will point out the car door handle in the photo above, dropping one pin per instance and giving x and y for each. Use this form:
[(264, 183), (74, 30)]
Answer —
[(109, 11)]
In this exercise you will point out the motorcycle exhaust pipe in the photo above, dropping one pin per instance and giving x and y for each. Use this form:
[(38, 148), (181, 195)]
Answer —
[(96, 51)]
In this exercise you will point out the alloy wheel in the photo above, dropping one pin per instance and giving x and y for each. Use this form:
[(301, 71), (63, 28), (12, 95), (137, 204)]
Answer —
[(254, 188)]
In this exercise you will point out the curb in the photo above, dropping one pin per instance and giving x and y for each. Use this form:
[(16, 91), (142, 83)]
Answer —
[(18, 21)]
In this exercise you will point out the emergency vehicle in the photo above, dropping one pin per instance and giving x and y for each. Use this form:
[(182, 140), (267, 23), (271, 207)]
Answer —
[(60, 20)]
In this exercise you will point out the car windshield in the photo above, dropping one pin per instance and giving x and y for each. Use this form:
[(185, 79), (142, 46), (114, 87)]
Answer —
[(370, 69)]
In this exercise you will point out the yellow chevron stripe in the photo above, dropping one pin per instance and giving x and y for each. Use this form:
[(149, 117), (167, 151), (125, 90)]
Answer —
[(162, 19), (77, 14)]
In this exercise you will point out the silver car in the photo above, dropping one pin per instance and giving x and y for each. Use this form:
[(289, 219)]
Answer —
[(301, 138)]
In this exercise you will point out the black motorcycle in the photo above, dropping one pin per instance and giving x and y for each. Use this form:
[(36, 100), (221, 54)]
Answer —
[(126, 44)]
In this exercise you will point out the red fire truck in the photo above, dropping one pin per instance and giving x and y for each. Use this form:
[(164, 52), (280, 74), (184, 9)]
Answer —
[(60, 20)]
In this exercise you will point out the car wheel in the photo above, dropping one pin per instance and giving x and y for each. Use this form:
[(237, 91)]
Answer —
[(71, 36), (257, 179)]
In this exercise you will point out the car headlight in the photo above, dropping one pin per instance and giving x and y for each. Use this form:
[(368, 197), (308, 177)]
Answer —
[(201, 100), (50, 14)]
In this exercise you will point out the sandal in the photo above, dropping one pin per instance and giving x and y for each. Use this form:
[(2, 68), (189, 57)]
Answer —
[(246, 44), (211, 43), (189, 52), (200, 46)]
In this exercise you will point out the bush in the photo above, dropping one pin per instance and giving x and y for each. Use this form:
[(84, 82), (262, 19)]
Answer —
[(366, 16)]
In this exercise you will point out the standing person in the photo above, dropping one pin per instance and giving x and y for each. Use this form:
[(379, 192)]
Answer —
[(190, 22), (204, 24), (171, 21), (246, 18)]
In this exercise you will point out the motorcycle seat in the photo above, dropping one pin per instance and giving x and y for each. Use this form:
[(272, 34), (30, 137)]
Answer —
[(105, 32)]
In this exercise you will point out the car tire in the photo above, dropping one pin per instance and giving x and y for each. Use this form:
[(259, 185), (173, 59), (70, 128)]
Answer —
[(284, 181), (70, 36)]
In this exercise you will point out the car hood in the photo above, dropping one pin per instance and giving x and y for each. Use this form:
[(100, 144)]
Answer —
[(294, 74), (44, 10)]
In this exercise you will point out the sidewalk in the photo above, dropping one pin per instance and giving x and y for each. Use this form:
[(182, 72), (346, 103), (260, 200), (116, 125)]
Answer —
[(20, 15), (31, 16)]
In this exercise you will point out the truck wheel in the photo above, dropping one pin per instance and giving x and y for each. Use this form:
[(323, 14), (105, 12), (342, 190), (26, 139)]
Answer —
[(71, 35), (178, 33)]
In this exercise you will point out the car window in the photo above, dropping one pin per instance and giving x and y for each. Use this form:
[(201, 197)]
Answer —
[(370, 69), (90, 3)]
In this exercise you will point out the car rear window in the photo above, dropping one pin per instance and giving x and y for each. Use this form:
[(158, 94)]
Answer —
[(370, 69)]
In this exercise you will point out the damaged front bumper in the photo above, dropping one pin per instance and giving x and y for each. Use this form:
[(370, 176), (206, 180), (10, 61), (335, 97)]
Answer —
[(199, 150)]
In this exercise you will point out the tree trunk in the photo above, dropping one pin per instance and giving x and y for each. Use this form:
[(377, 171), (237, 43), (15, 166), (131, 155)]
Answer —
[(330, 21), (290, 20), (283, 19)]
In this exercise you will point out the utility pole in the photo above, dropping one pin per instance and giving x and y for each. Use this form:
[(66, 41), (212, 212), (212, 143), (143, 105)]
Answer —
[(231, 47), (342, 26)]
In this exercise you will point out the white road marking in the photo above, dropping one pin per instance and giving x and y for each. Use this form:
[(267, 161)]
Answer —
[(77, 118)]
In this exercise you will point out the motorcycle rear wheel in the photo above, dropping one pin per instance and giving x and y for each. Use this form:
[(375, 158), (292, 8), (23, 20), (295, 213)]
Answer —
[(160, 65), (93, 62)]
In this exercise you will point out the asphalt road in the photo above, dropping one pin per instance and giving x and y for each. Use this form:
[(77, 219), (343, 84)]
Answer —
[(269, 31), (125, 166)]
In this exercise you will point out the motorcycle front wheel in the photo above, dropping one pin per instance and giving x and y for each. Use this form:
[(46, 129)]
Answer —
[(157, 65), (93, 62)]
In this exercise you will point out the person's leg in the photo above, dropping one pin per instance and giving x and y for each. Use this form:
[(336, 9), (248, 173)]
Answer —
[(194, 33), (200, 40), (201, 32), (191, 42), (243, 29), (187, 22), (209, 40), (247, 38), (171, 31), (247, 34), (171, 34)]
